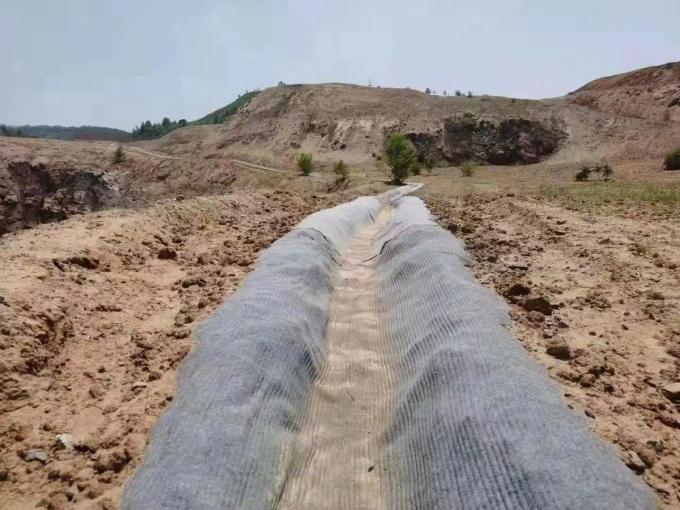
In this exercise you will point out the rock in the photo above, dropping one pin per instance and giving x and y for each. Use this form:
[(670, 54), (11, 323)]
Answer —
[(167, 253), (536, 317), (559, 350), (111, 461), (64, 441), (193, 280), (517, 289), (634, 462), (96, 391), (89, 444), (107, 307), (36, 454), (672, 392), (669, 419), (181, 333), (137, 385), (141, 341), (587, 380), (538, 304)]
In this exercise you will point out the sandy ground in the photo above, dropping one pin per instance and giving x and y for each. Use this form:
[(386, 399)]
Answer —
[(96, 313), (595, 295)]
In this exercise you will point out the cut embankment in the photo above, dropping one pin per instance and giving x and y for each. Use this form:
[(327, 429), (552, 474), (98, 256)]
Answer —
[(360, 366)]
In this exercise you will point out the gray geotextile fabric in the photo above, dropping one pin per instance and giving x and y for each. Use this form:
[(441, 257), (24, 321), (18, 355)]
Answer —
[(476, 424)]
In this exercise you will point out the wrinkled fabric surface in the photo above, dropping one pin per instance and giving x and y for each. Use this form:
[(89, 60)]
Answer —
[(475, 423)]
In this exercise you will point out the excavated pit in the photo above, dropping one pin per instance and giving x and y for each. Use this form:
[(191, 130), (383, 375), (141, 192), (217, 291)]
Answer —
[(35, 193)]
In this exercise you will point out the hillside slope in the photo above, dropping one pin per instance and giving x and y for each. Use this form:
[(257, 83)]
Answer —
[(651, 93), (354, 121)]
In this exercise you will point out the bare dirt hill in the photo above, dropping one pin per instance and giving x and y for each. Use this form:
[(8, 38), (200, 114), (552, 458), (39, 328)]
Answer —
[(334, 121), (651, 93)]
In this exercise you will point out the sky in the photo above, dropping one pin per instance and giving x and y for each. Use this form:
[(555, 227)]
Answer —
[(119, 62)]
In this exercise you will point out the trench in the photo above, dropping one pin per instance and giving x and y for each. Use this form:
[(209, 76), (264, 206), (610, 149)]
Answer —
[(336, 460)]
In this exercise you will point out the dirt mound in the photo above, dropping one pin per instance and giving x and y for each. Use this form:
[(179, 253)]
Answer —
[(351, 122), (33, 193), (651, 93)]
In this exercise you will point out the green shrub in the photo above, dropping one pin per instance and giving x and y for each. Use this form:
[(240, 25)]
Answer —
[(672, 160), (401, 157), (604, 170), (119, 155), (305, 163), (468, 168), (584, 173), (341, 170)]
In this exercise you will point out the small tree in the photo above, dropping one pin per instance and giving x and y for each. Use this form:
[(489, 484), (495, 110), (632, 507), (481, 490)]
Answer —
[(341, 170), (469, 94), (458, 93), (672, 160), (305, 163), (401, 156), (428, 91), (468, 168), (119, 155)]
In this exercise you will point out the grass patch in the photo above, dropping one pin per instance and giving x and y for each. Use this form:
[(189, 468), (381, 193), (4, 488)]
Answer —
[(601, 193)]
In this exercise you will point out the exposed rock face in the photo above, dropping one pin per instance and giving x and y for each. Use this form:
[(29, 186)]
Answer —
[(497, 142), (34, 193)]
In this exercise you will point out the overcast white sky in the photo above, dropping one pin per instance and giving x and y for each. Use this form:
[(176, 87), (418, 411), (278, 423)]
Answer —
[(118, 62)]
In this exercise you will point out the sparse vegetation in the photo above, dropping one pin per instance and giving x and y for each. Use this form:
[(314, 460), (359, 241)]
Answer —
[(305, 163), (672, 160), (219, 116), (605, 193), (401, 157), (468, 168), (604, 170), (341, 169), (583, 174), (119, 155)]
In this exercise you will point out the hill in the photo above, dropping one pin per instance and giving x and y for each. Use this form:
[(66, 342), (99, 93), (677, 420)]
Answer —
[(651, 93), (334, 121)]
